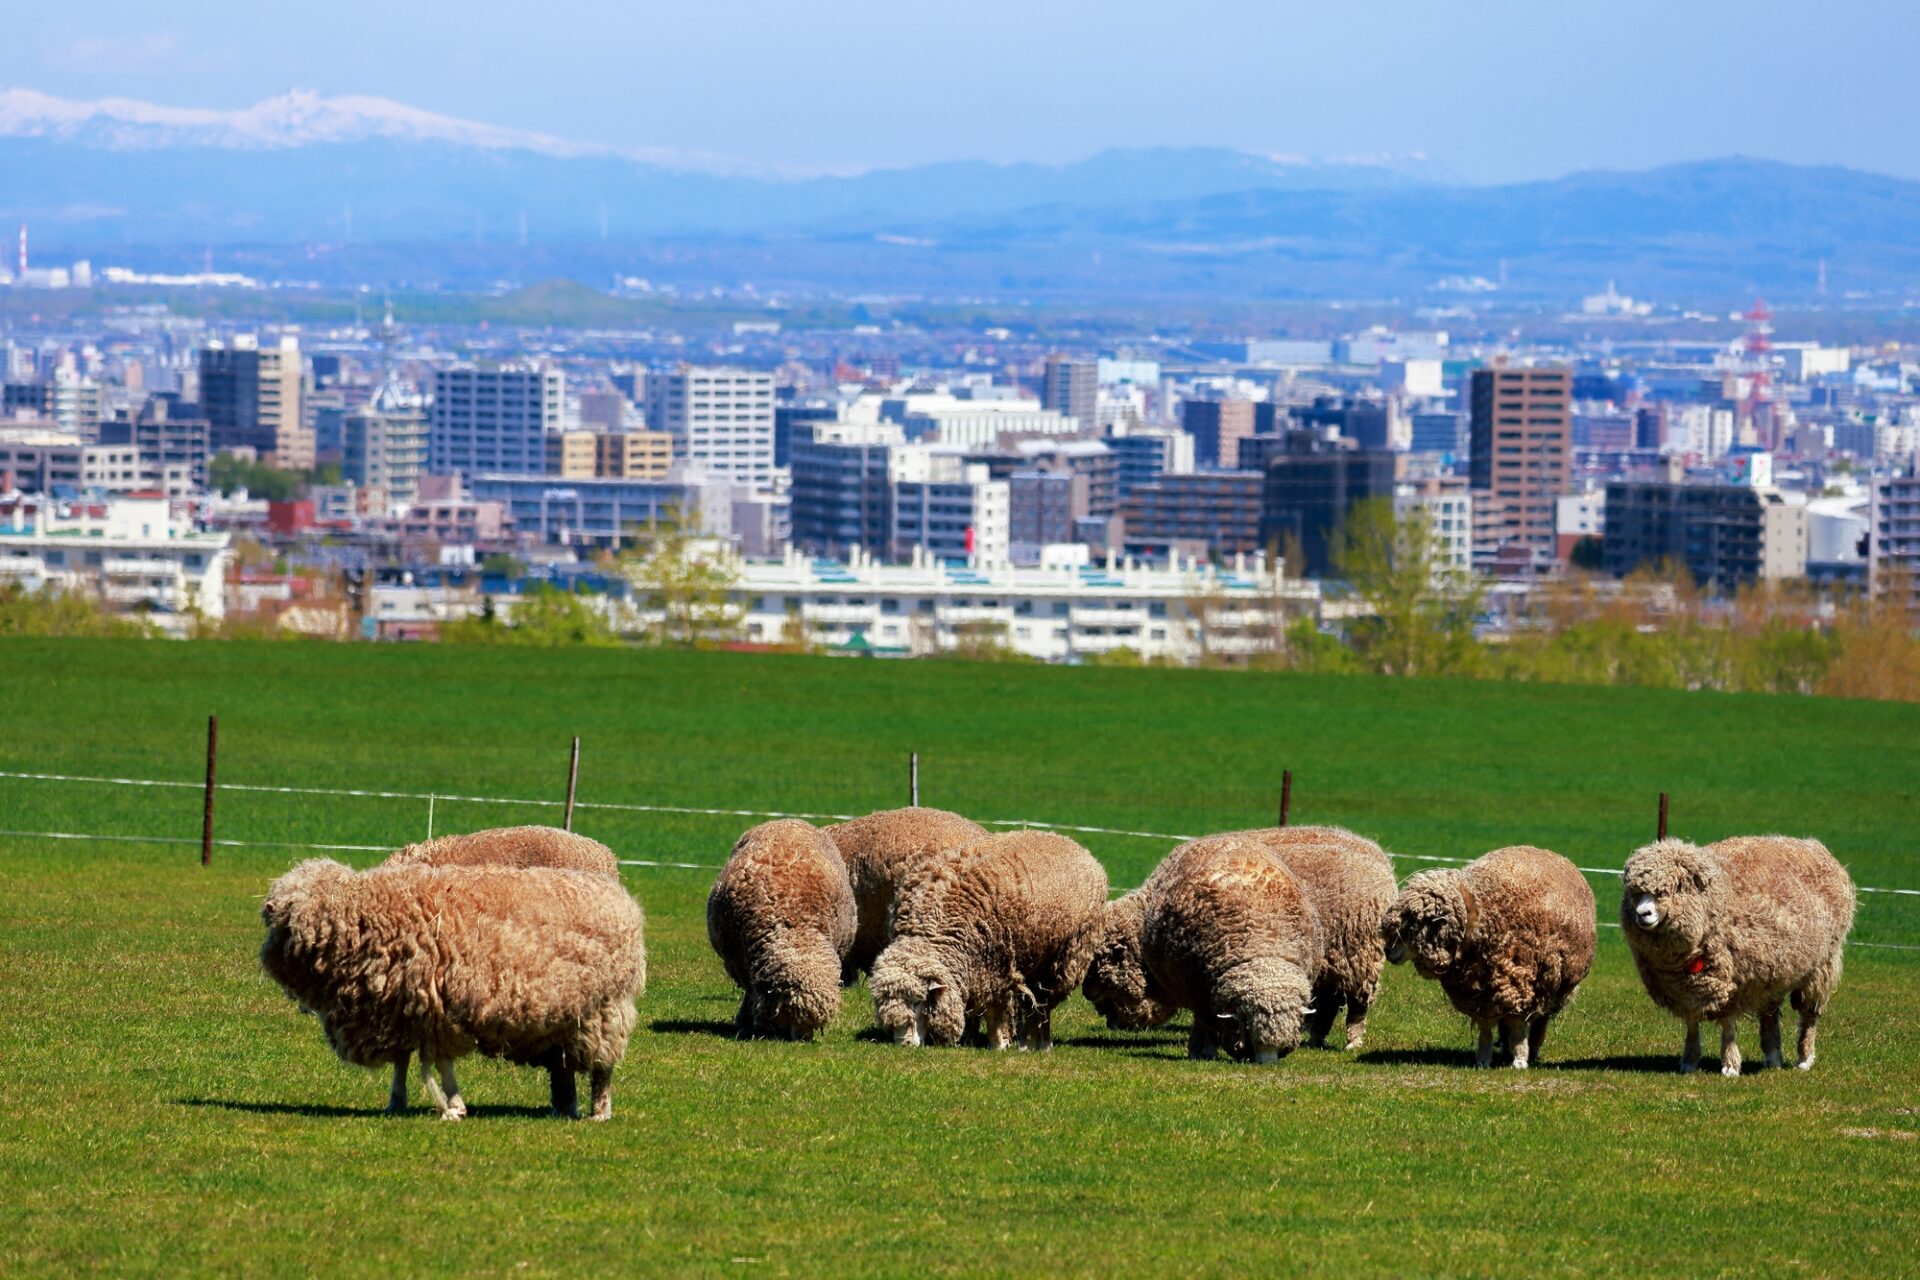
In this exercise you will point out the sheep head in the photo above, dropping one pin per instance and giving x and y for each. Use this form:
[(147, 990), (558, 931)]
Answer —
[(1430, 921), (1117, 982), (916, 997), (294, 930), (1664, 897), (1267, 1003)]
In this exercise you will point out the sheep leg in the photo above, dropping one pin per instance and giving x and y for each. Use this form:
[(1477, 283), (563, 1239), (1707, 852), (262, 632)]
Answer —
[(562, 1088), (397, 1095), (1536, 1037), (1690, 1052), (1809, 1023), (1483, 1054), (433, 1091), (601, 1082), (1520, 1040), (455, 1102), (1325, 1006), (1202, 1044), (1039, 1037), (1356, 1022), (998, 1029), (1770, 1036), (743, 1021), (1729, 1047)]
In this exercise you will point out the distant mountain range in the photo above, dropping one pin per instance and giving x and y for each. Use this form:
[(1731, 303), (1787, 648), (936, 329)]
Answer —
[(362, 188)]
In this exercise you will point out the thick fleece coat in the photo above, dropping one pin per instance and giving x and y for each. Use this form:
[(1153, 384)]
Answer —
[(1117, 982), (537, 966), (881, 851), (781, 917), (513, 847), (1229, 933), (1508, 937), (1000, 933), (1735, 928), (1349, 880)]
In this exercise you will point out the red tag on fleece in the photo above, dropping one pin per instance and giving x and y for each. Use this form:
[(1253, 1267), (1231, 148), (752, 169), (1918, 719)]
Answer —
[(1697, 965)]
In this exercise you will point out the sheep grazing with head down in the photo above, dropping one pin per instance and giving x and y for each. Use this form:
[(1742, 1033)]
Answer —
[(881, 851), (998, 934), (1117, 982), (781, 917), (1228, 932), (1735, 928), (512, 847), (538, 966), (1508, 937), (1349, 880)]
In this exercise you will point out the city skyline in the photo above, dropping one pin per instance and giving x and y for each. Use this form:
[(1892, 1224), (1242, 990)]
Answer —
[(774, 90)]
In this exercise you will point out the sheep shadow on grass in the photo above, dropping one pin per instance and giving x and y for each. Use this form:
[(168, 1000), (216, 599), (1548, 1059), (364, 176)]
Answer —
[(694, 1027), (330, 1111)]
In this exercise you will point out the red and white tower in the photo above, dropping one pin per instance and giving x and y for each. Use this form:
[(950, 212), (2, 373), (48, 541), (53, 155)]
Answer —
[(1761, 414)]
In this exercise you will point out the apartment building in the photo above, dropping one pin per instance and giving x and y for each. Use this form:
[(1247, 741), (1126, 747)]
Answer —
[(721, 420), (1520, 461), (1726, 535), (1895, 524), (251, 397), (1217, 427), (1072, 387), (130, 550), (1215, 510), (493, 418), (384, 445)]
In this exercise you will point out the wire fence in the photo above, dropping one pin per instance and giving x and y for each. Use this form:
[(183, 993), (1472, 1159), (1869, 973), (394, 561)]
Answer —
[(434, 802)]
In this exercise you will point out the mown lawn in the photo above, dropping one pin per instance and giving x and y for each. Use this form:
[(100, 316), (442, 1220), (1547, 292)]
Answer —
[(164, 1108)]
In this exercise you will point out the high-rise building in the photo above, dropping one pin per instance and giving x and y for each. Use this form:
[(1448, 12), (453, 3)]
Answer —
[(1043, 507), (720, 418), (1442, 433), (383, 445), (842, 487), (952, 510), (633, 455), (570, 454), (1726, 535), (1217, 427), (493, 418), (1072, 387), (1144, 454), (1894, 541), (1219, 510), (250, 396), (789, 415), (1308, 491), (1520, 461)]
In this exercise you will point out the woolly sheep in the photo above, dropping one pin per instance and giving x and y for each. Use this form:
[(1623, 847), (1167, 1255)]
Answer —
[(1509, 937), (1117, 982), (1228, 932), (881, 851), (539, 966), (1349, 880), (781, 917), (1734, 928), (1002, 932), (513, 847)]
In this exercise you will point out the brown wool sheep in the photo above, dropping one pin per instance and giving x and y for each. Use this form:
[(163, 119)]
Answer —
[(1508, 937), (1349, 880), (513, 847), (1229, 933), (781, 917), (881, 850), (1735, 928), (1000, 932), (1117, 982), (539, 966)]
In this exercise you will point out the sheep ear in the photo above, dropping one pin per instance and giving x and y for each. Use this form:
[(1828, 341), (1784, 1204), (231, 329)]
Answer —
[(935, 988), (1224, 1017), (1473, 908)]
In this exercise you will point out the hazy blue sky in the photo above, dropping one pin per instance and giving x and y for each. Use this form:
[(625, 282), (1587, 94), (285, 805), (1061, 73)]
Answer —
[(1491, 89)]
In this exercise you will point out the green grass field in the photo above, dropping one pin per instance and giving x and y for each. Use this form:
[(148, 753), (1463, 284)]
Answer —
[(165, 1109)]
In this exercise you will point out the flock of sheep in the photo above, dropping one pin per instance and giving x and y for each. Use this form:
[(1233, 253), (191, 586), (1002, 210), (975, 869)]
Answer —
[(520, 943)]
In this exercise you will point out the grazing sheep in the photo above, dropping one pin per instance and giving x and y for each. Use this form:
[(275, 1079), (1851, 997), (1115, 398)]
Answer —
[(1001, 931), (1117, 982), (1735, 928), (1349, 881), (1508, 937), (538, 966), (513, 847), (881, 850), (781, 916), (1228, 933)]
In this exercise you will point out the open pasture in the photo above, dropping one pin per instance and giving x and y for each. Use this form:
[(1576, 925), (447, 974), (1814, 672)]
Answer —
[(167, 1110)]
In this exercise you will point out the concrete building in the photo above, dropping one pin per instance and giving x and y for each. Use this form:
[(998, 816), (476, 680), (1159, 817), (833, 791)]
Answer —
[(384, 444), (951, 510), (1072, 387), (1448, 505), (1217, 427), (44, 460), (975, 423), (633, 455), (250, 395), (1521, 461), (174, 443), (494, 418), (1442, 433), (1725, 535), (1896, 535), (1144, 454), (129, 550), (592, 511), (1218, 511), (721, 420), (842, 487), (1308, 490), (570, 454), (69, 401)]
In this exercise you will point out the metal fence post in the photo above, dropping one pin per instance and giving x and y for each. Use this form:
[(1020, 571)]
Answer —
[(573, 780), (1286, 794), (1663, 817), (206, 813), (913, 779)]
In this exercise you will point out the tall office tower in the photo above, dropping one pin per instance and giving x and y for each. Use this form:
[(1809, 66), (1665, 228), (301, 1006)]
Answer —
[(1520, 461), (1217, 428), (383, 445), (1072, 387), (493, 418), (720, 418), (250, 396)]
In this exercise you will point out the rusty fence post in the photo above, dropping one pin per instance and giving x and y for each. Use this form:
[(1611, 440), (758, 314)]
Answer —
[(573, 781), (1663, 817), (1286, 794), (206, 813)]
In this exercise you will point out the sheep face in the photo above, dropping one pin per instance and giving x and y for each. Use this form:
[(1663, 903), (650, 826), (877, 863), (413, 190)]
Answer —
[(1429, 922), (287, 953), (1117, 982), (1265, 1004), (798, 987), (916, 998), (1664, 897)]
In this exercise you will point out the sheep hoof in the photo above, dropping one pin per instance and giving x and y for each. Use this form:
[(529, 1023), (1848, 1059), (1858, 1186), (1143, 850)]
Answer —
[(1805, 1064), (1775, 1060), (451, 1114), (1688, 1068), (1731, 1070)]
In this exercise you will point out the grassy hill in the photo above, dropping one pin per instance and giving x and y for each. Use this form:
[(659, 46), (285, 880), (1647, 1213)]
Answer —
[(167, 1109)]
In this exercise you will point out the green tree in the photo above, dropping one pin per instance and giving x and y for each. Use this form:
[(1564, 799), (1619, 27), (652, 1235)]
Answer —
[(546, 617), (227, 472), (1420, 609), (689, 582), (52, 612)]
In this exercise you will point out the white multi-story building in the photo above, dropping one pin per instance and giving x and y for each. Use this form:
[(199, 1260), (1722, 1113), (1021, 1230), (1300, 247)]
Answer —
[(1896, 534), (949, 510), (130, 550), (494, 418), (40, 460), (721, 419), (1449, 507), (975, 422)]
